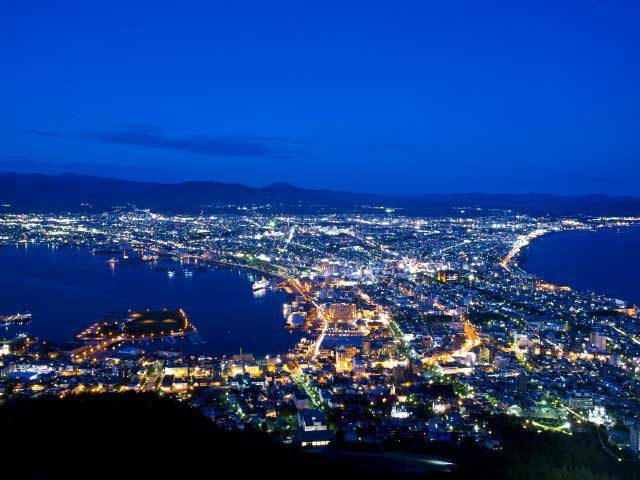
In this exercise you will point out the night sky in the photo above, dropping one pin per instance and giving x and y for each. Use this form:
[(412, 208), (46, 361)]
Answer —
[(395, 96)]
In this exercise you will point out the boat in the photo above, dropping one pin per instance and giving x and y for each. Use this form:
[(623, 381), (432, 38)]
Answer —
[(260, 284), (112, 261), (18, 318), (171, 273), (188, 273)]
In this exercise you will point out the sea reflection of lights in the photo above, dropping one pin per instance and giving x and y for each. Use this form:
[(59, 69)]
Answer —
[(441, 463)]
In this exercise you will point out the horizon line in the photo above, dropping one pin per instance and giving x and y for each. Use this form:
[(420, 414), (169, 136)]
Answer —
[(318, 189)]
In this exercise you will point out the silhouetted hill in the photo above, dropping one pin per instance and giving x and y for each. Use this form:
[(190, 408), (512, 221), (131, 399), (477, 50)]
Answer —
[(133, 435), (70, 192), (145, 436)]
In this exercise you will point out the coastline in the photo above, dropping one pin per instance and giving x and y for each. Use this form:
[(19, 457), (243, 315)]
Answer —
[(513, 256), (217, 329), (523, 262)]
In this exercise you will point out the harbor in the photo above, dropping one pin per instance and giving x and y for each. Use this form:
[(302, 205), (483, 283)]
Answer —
[(66, 289)]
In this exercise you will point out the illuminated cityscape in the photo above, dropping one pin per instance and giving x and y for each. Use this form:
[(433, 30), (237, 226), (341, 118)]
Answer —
[(361, 239), (413, 328)]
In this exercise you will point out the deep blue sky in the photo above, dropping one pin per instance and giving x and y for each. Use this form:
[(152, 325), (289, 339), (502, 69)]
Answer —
[(426, 96)]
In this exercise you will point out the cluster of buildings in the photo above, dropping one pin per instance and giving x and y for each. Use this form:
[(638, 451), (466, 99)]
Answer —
[(417, 330)]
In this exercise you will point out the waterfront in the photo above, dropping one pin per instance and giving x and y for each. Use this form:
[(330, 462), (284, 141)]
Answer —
[(411, 323), (605, 261), (67, 289)]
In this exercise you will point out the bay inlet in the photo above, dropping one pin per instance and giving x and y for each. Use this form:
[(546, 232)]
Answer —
[(605, 261), (66, 289)]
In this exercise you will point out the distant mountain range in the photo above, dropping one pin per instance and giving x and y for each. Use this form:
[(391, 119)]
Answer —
[(71, 192)]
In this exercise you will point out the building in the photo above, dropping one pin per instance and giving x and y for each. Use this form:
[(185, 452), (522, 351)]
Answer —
[(580, 401), (522, 383), (312, 428), (445, 276), (296, 319), (312, 420), (178, 370), (341, 312), (344, 360), (301, 400), (598, 340), (332, 269)]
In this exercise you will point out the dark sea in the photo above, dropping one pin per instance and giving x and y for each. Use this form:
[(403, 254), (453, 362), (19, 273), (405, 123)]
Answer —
[(66, 289), (606, 261)]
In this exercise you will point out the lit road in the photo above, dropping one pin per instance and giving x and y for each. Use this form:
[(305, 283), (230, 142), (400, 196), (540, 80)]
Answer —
[(521, 242), (295, 284), (622, 332)]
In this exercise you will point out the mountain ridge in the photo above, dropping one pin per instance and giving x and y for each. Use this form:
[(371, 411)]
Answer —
[(23, 192)]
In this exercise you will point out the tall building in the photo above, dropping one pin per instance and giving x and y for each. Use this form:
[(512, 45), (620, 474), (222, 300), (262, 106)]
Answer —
[(598, 340), (344, 360), (523, 383)]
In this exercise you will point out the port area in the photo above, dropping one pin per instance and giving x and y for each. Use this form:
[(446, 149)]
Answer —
[(117, 328), (17, 319)]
